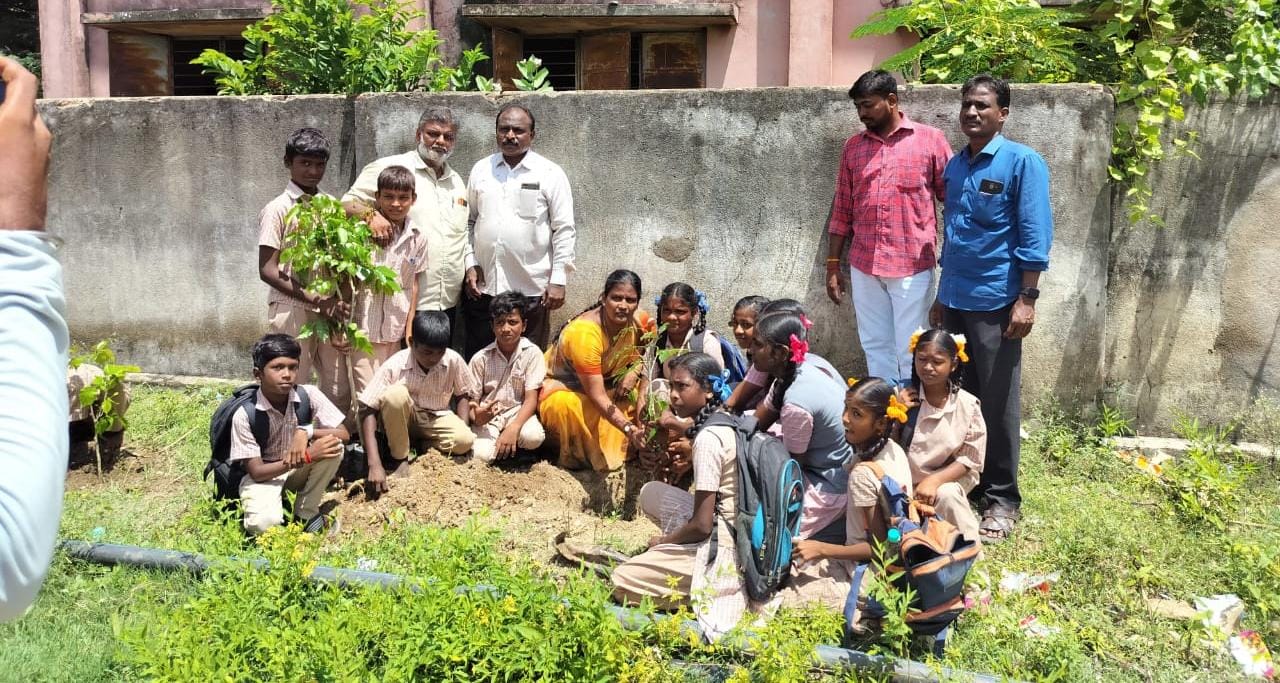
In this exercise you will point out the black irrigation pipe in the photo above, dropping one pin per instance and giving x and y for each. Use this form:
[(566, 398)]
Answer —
[(827, 656)]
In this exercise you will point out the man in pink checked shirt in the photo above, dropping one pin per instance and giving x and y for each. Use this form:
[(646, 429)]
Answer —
[(890, 176)]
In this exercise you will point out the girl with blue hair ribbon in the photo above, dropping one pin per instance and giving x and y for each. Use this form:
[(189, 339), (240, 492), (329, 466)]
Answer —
[(677, 569)]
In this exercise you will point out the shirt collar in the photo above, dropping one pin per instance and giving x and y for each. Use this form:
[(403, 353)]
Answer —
[(530, 161), (904, 123), (294, 191), (992, 147), (521, 345), (417, 163), (936, 413), (263, 404)]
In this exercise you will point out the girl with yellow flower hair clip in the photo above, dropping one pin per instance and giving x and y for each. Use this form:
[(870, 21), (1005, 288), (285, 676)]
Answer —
[(947, 439), (822, 571)]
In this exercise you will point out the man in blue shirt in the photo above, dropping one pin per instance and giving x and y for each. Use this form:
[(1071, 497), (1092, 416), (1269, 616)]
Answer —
[(998, 228)]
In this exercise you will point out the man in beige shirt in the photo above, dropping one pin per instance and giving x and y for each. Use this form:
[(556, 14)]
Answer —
[(440, 210)]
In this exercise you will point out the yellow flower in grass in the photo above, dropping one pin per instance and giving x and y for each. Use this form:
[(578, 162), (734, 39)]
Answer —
[(1153, 465), (851, 381), (897, 410)]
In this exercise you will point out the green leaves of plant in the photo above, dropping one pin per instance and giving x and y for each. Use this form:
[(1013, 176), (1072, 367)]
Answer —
[(331, 253), (322, 46)]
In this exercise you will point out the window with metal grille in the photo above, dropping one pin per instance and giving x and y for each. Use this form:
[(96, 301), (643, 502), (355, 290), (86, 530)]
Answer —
[(559, 57), (188, 78)]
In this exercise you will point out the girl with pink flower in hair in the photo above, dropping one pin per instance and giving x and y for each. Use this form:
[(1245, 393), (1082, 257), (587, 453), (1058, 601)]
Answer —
[(807, 394)]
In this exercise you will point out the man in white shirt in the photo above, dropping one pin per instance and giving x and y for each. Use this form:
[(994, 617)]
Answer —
[(522, 233), (440, 209)]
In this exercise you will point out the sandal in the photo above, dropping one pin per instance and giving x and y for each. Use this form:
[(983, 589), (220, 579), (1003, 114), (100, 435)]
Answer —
[(997, 523)]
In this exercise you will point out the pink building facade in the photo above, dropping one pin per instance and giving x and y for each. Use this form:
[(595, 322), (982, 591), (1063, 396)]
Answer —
[(103, 48)]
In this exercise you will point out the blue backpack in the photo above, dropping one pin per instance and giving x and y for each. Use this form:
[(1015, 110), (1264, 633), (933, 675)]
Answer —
[(734, 362), (933, 559), (767, 518)]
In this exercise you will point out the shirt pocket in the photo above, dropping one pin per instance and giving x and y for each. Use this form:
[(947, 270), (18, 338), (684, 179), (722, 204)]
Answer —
[(527, 202), (990, 210)]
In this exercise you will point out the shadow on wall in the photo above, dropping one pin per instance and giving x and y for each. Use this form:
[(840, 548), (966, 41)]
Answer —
[(1184, 325)]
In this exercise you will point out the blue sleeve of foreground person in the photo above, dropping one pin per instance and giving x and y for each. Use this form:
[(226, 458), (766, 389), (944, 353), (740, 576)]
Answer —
[(33, 415), (1035, 217)]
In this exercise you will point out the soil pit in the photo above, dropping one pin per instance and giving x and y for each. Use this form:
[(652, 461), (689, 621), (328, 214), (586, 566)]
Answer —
[(533, 503)]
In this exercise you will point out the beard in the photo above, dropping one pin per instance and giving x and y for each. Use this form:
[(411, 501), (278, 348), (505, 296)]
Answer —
[(432, 155)]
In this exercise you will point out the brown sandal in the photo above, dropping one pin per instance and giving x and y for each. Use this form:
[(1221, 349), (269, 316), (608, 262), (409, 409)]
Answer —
[(997, 523)]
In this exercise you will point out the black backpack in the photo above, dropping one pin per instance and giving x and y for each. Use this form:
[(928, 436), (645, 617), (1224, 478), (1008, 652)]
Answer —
[(767, 519), (226, 474)]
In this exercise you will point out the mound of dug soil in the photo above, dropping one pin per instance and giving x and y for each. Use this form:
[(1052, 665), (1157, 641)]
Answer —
[(533, 503)]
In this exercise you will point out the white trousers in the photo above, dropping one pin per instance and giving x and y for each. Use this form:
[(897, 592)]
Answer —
[(888, 310)]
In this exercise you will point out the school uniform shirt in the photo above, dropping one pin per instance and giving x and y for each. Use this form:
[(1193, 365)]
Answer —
[(522, 232), (884, 198), (430, 390), (955, 432), (384, 317), (440, 212), (505, 380), (324, 415), (271, 232), (864, 488), (997, 223)]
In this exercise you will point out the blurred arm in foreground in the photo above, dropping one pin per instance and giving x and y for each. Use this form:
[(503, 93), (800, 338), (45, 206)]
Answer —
[(33, 352)]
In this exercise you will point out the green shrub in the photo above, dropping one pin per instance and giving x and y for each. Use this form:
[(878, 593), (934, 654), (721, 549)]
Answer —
[(322, 46), (244, 624)]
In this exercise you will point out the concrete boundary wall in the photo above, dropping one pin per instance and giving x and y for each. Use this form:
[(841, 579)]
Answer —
[(728, 190)]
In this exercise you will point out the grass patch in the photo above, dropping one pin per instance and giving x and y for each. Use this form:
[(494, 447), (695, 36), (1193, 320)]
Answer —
[(1118, 536)]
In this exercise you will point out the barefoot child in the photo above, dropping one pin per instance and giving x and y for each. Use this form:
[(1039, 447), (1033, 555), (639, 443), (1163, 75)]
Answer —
[(410, 395), (298, 458), (388, 318), (822, 571), (675, 567), (510, 372), (949, 443)]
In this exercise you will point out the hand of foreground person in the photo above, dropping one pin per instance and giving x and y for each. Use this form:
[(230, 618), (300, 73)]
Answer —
[(553, 298), (24, 151), (381, 228), (835, 287), (475, 280), (326, 446), (806, 551), (376, 481), (935, 315), (483, 413), (1021, 317), (505, 446), (296, 455)]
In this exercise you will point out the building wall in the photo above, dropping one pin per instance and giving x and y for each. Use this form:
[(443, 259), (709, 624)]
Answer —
[(726, 189)]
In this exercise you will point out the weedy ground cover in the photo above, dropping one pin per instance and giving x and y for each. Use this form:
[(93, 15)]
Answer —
[(1118, 531)]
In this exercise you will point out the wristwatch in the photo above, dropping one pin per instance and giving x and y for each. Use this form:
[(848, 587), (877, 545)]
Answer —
[(1029, 293)]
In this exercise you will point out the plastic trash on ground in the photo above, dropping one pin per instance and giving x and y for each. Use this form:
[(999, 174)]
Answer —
[(1222, 613), (1033, 628), (1021, 582), (1252, 655)]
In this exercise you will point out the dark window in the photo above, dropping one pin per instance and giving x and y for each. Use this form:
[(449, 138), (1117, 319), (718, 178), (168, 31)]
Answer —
[(559, 57), (188, 78), (637, 46)]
